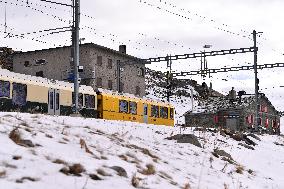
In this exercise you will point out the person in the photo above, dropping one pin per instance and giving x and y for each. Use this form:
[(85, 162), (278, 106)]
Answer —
[(232, 95)]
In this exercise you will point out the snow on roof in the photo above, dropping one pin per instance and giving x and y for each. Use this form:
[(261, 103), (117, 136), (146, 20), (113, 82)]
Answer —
[(17, 77)]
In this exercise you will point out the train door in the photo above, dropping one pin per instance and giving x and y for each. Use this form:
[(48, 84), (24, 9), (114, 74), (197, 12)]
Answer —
[(53, 102), (145, 114)]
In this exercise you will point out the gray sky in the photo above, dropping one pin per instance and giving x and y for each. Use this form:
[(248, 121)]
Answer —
[(157, 28)]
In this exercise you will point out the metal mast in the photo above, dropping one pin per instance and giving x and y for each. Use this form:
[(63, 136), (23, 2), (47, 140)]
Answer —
[(76, 51), (256, 81)]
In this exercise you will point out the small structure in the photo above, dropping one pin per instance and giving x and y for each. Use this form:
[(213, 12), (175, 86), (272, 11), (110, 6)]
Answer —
[(237, 115)]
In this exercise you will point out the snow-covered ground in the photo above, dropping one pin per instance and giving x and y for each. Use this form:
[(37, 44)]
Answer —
[(123, 154)]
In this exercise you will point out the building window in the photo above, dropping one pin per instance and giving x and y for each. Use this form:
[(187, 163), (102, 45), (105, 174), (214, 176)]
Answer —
[(109, 63), (99, 60), (123, 106), (19, 94), (39, 74), (141, 72), (109, 84), (137, 91), (27, 63), (99, 82), (133, 107), (4, 89)]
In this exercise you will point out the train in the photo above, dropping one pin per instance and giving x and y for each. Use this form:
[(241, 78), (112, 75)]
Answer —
[(26, 93)]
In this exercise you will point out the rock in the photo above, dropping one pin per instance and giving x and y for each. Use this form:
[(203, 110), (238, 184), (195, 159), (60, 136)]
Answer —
[(246, 146), (186, 138), (248, 141), (26, 143), (120, 171), (94, 177), (278, 144), (253, 136), (223, 153)]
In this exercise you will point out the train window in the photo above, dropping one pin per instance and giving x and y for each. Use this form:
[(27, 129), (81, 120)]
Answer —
[(19, 94), (4, 89), (133, 107), (57, 101), (89, 101), (154, 111), (145, 110), (123, 106), (171, 113), (164, 112), (51, 99), (80, 99)]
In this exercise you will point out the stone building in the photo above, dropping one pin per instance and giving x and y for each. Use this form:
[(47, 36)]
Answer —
[(237, 115), (101, 67)]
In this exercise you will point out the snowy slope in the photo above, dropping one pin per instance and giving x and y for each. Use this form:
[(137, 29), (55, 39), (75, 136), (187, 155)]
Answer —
[(119, 152)]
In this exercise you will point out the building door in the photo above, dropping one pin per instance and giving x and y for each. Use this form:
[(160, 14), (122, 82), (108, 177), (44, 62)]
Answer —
[(145, 115), (53, 102), (231, 123)]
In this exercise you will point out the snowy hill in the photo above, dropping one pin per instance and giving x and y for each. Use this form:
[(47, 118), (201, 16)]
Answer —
[(46, 152), (181, 96)]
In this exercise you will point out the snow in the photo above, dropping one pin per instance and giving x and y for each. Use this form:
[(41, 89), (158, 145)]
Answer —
[(175, 163)]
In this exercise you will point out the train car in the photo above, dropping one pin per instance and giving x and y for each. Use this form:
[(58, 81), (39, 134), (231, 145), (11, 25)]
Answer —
[(115, 106), (24, 93)]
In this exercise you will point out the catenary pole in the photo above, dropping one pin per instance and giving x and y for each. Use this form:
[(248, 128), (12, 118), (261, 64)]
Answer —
[(256, 81), (76, 58)]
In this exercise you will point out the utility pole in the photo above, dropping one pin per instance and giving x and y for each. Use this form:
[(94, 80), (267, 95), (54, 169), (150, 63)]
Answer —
[(76, 52), (169, 79), (256, 81)]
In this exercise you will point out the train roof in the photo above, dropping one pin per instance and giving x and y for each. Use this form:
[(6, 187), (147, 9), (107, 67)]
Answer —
[(128, 96), (33, 80)]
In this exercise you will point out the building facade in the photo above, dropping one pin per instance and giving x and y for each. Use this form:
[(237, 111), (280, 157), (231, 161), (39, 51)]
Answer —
[(102, 67), (237, 115)]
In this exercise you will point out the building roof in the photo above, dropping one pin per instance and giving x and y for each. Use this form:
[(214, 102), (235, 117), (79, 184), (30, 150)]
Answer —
[(93, 45), (214, 104)]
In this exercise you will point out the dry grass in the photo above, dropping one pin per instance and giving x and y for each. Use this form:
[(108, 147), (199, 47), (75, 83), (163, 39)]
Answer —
[(240, 169), (135, 181), (59, 161), (186, 186), (150, 170), (84, 145), (15, 136), (2, 174)]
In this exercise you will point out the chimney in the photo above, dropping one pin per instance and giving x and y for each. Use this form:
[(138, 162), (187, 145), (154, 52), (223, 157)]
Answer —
[(122, 49)]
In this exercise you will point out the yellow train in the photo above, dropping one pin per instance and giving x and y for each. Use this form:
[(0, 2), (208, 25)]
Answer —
[(24, 93)]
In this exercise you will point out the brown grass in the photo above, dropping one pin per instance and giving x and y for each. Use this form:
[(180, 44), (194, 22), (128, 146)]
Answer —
[(15, 136), (150, 170), (2, 174), (135, 181), (76, 169), (16, 157), (240, 169), (84, 145), (186, 186), (59, 161)]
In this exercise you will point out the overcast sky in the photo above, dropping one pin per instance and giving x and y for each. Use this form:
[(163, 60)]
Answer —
[(152, 28)]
